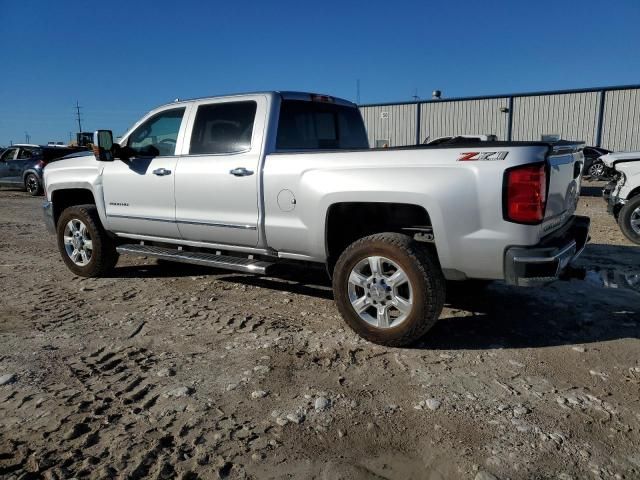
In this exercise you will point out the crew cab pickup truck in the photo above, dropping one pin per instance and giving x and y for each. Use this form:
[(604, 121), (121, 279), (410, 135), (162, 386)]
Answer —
[(246, 182)]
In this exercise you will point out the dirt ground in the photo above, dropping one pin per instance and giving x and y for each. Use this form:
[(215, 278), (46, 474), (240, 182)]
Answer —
[(170, 371)]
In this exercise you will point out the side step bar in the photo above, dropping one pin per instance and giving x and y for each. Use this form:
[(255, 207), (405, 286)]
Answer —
[(197, 258)]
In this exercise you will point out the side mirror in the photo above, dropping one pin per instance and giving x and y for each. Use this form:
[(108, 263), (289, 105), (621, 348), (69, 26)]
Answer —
[(103, 145)]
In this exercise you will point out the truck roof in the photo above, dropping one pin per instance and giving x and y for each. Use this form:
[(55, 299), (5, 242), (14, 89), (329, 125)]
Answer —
[(285, 94)]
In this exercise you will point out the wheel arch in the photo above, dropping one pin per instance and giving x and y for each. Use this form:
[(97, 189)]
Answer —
[(633, 193), (34, 171), (68, 197), (346, 222)]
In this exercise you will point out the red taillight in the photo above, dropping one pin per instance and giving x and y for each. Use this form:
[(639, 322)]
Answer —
[(526, 194), (41, 163)]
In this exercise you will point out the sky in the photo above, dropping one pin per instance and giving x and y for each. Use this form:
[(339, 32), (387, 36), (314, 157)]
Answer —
[(120, 59)]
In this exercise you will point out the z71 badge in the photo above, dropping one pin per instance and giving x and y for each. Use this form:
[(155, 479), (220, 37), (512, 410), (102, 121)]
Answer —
[(482, 156)]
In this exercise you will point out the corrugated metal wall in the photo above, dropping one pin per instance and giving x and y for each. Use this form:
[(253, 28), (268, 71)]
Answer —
[(394, 123), (438, 119), (573, 115), (621, 124)]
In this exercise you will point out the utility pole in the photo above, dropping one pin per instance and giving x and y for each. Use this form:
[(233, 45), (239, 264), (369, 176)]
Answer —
[(358, 91), (78, 117), (415, 95), (27, 137)]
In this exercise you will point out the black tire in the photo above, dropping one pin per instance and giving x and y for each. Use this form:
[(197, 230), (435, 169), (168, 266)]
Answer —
[(32, 185), (424, 275), (630, 211), (103, 255)]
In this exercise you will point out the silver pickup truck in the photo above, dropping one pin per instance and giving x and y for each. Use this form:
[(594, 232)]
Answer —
[(245, 182)]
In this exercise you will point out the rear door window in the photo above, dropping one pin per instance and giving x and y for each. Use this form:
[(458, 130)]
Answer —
[(316, 126), (25, 154), (221, 128)]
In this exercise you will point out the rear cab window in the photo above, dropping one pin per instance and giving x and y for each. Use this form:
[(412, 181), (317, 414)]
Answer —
[(309, 125)]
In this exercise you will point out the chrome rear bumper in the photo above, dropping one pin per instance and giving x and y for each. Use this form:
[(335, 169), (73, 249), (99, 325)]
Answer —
[(544, 263)]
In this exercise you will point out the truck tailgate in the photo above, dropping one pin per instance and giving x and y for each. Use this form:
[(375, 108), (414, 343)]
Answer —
[(564, 176)]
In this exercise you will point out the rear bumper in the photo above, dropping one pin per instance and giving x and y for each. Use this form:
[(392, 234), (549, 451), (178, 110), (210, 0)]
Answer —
[(544, 262), (47, 210)]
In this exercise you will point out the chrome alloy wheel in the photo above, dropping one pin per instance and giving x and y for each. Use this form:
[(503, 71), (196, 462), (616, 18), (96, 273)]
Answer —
[(77, 242), (634, 220), (380, 292)]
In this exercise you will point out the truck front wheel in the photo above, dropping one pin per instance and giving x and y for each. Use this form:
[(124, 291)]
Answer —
[(629, 219), (389, 288), (85, 247)]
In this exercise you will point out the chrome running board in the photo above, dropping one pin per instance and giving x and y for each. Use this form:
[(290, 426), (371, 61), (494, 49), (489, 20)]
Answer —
[(225, 262)]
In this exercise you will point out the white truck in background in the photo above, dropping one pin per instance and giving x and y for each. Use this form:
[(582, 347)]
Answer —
[(623, 192), (246, 182)]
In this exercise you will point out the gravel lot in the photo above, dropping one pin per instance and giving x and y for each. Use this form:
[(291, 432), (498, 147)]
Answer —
[(165, 370)]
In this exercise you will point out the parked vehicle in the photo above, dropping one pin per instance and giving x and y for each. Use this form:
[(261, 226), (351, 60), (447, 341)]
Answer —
[(246, 182), (594, 168), (623, 192), (21, 165)]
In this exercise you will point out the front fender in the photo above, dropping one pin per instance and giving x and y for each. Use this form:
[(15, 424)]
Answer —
[(95, 189), (82, 173)]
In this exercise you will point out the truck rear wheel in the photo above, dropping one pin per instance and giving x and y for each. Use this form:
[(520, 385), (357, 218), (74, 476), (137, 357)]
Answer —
[(389, 288), (629, 219), (85, 247)]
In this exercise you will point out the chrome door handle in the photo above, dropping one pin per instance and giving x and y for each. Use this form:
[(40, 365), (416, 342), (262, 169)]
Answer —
[(161, 171), (240, 172)]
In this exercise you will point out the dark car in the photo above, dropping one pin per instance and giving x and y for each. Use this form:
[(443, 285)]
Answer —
[(21, 165), (594, 169)]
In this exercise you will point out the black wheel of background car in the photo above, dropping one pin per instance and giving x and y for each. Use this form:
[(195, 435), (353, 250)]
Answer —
[(32, 185), (83, 243), (596, 170), (389, 288), (629, 219)]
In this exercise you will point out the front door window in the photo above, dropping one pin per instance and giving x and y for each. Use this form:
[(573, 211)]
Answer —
[(10, 154), (157, 136)]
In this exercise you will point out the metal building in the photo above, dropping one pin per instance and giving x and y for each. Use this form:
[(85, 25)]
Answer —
[(608, 117)]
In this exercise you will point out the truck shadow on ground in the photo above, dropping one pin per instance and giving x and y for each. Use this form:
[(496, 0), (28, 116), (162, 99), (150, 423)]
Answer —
[(591, 190), (508, 317), (497, 316)]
